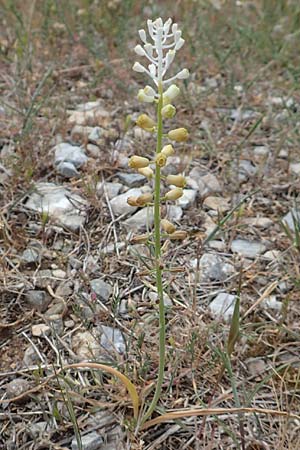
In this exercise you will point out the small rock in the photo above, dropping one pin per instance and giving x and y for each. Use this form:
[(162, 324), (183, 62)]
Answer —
[(112, 189), (65, 207), (95, 134), (282, 116), (67, 169), (207, 182), (31, 358), (43, 278), (174, 213), (86, 346), (65, 289), (188, 198), (272, 303), (261, 151), (273, 255), (213, 267), (216, 203), (259, 222), (131, 179), (40, 329), (65, 152), (38, 300), (94, 116), (112, 339), (247, 248), (245, 170), (292, 218), (58, 308), (59, 273), (31, 255), (56, 323), (256, 366), (112, 248), (220, 246), (240, 115), (143, 219), (295, 168), (154, 298), (139, 133), (222, 306), (90, 441), (80, 132), (119, 204), (93, 151), (38, 428), (17, 387), (102, 290), (75, 263)]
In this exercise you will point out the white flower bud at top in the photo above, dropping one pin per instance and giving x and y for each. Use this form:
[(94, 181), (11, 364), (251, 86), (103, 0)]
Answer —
[(137, 67), (139, 50), (142, 34), (179, 44), (174, 28), (143, 97), (183, 74)]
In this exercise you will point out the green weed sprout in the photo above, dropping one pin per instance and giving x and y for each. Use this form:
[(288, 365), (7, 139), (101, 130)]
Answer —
[(165, 40)]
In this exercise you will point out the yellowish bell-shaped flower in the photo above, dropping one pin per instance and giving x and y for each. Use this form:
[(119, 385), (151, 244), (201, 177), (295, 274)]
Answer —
[(132, 201), (168, 150), (178, 135), (147, 172), (168, 111), (174, 194), (160, 159), (143, 199), (178, 235), (176, 180), (145, 122), (167, 226), (138, 162)]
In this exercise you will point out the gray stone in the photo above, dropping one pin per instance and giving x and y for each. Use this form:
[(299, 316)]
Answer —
[(272, 303), (31, 358), (142, 219), (63, 206), (247, 248), (112, 248), (154, 298), (96, 134), (245, 169), (40, 329), (216, 203), (112, 189), (207, 182), (222, 306), (102, 290), (119, 204), (90, 441), (80, 132), (67, 170), (259, 222), (295, 168), (31, 255), (174, 213), (240, 115), (56, 323), (59, 273), (188, 198), (16, 387), (65, 152), (261, 151), (131, 179), (38, 300), (93, 150), (213, 267), (38, 428), (292, 218), (42, 278), (86, 345), (112, 339), (273, 255)]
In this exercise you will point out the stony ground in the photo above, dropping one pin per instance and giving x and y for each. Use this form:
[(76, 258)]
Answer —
[(72, 283)]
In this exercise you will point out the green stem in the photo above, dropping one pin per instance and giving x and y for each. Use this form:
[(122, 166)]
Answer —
[(158, 267)]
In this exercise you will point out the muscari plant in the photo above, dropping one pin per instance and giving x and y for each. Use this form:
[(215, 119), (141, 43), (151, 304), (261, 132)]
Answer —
[(165, 40)]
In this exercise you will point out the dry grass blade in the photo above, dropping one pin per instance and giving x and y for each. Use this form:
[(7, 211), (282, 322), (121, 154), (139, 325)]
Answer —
[(179, 414), (128, 384)]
